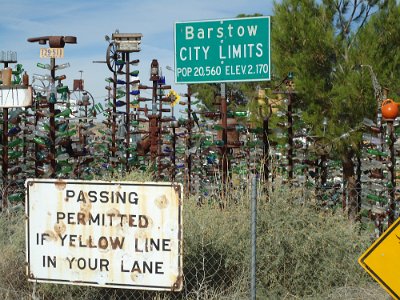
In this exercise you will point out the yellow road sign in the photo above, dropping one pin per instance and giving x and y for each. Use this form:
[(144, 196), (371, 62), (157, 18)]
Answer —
[(382, 260)]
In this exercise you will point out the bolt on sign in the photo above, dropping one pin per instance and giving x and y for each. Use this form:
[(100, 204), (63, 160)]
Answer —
[(382, 260), (222, 50), (107, 234)]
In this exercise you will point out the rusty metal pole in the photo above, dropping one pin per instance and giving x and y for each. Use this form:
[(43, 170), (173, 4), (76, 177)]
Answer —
[(5, 154), (392, 166), (5, 158), (189, 143), (159, 117), (173, 158), (37, 106), (153, 126), (127, 116), (114, 119), (52, 123)]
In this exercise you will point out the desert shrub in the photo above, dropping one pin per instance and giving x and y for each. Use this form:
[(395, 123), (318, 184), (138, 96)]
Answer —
[(306, 250)]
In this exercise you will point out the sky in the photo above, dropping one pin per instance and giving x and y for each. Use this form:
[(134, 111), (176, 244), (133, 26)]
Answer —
[(91, 20)]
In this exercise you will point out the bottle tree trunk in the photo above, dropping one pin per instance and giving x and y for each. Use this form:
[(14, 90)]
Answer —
[(349, 176)]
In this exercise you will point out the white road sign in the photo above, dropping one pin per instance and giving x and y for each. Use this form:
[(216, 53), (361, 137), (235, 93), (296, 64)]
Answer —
[(109, 234)]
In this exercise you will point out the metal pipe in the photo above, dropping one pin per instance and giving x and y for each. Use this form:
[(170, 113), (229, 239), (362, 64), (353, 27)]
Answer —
[(127, 116), (392, 188), (224, 123), (159, 124), (52, 123), (114, 119), (5, 158), (189, 143)]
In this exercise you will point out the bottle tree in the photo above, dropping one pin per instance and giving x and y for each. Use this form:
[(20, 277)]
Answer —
[(317, 40), (379, 41)]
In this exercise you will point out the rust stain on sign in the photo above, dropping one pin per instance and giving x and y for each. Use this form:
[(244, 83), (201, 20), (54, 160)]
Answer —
[(161, 202), (60, 228), (60, 185)]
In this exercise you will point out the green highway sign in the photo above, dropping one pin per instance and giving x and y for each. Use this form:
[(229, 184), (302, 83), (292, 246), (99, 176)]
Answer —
[(222, 50)]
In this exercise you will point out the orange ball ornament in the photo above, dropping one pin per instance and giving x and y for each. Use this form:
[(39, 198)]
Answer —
[(390, 109)]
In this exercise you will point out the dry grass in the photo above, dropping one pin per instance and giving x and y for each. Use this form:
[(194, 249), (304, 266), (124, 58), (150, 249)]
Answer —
[(303, 253)]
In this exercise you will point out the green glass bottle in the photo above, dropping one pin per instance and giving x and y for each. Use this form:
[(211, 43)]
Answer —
[(376, 152), (15, 142), (14, 154), (219, 143), (64, 96), (62, 127), (16, 197), (65, 113), (134, 73), (66, 169), (52, 98), (377, 198), (62, 89), (39, 140), (88, 177), (180, 149), (206, 143), (134, 103), (120, 94), (43, 66)]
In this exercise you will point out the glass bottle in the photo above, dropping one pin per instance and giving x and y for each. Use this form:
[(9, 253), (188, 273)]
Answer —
[(44, 66), (376, 152), (135, 92), (16, 197), (219, 143), (62, 89), (14, 154), (217, 127), (65, 113), (377, 198), (134, 73), (15, 142), (62, 66), (120, 103), (14, 131)]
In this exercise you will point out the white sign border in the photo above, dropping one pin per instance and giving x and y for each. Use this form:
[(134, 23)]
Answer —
[(178, 285)]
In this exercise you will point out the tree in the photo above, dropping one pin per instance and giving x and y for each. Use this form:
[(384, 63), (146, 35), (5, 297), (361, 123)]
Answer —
[(319, 41)]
